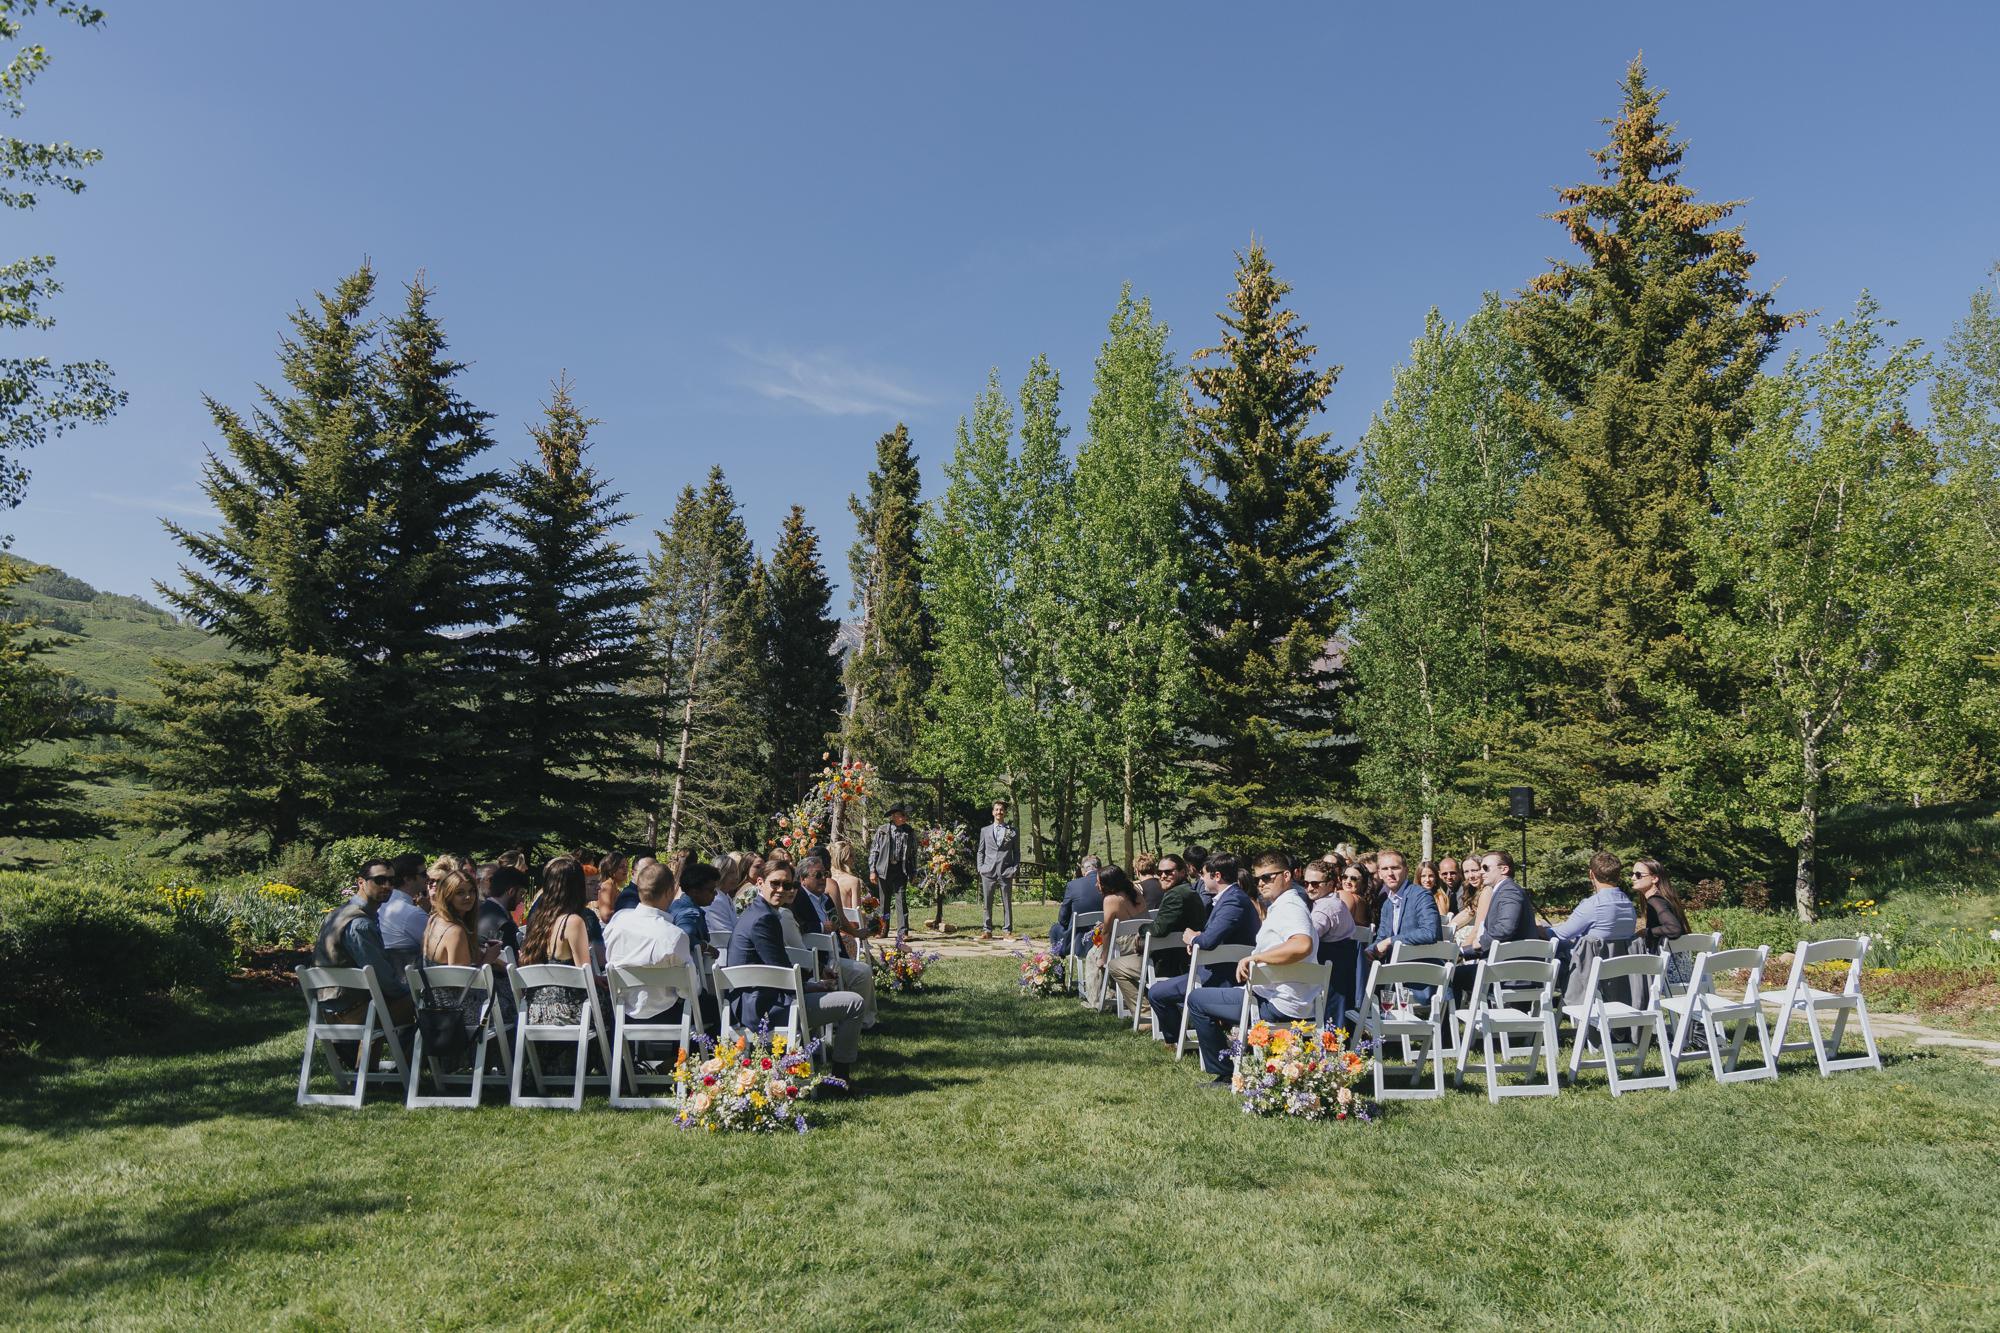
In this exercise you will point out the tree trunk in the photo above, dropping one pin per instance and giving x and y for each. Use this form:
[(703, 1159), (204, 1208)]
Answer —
[(687, 723), (1428, 832), (1128, 809), (1804, 889), (1086, 808), (1107, 829)]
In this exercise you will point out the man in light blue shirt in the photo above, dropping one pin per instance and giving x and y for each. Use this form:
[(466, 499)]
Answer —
[(1607, 914), (402, 917)]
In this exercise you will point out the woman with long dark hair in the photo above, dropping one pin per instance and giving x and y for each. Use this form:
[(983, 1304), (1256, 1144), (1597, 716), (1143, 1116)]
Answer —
[(557, 934), (1666, 914)]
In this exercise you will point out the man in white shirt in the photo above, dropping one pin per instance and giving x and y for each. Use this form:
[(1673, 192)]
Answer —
[(1287, 936), (644, 936), (402, 918)]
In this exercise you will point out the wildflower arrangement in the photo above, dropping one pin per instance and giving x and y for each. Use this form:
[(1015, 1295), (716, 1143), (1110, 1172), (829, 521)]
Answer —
[(871, 915), (755, 1082), (1042, 973), (838, 785), (939, 851), (900, 969), (184, 899), (1298, 1070)]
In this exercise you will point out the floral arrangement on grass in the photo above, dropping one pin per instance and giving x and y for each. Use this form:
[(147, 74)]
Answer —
[(871, 915), (1299, 1070), (755, 1082), (940, 850), (1042, 973), (900, 969)]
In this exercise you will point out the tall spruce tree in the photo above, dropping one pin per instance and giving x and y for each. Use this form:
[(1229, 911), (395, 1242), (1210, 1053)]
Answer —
[(1268, 563), (888, 674), (1440, 466), (565, 743), (1127, 653), (802, 674), (1643, 352), (41, 797), (279, 743)]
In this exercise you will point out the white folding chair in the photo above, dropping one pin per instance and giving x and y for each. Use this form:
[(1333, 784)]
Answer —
[(1199, 958), (1381, 1016), (479, 987), (1843, 1003), (626, 1034), (1601, 1017), (1120, 930), (1723, 1018), (1446, 953), (729, 980), (1152, 947), (1308, 973), (1080, 925), (528, 1036), (1687, 946), (1515, 999), (1510, 951), (718, 940), (322, 1032)]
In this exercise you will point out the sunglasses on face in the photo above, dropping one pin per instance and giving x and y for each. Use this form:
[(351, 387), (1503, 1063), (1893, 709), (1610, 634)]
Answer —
[(1314, 883), (1268, 876), (380, 879)]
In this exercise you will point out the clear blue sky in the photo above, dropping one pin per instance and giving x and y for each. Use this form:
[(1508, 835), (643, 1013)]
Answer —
[(760, 234)]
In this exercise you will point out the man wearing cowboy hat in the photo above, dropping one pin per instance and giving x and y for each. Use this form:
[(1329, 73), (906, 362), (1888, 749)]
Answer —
[(892, 864)]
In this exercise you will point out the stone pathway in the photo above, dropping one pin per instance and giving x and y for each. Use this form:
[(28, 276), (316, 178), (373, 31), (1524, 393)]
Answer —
[(967, 944), (1897, 1025)]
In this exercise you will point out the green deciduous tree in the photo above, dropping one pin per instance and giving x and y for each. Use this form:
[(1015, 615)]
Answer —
[(1643, 351), (1821, 574), (1440, 465), (1268, 563)]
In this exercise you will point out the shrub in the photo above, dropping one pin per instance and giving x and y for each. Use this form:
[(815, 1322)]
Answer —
[(1707, 894), (80, 952), (1756, 895), (343, 858), (305, 869), (1744, 929)]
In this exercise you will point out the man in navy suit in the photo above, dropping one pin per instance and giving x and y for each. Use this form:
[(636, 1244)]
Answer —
[(1233, 920), (1079, 895), (1409, 913), (760, 938)]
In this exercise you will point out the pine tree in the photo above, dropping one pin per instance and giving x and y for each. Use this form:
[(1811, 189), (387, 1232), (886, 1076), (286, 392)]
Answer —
[(1127, 652), (1268, 566), (42, 797), (438, 579), (1440, 465), (278, 743), (802, 673), (569, 728), (1643, 352), (888, 673)]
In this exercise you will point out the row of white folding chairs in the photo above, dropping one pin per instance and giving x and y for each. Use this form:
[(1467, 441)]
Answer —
[(403, 1066)]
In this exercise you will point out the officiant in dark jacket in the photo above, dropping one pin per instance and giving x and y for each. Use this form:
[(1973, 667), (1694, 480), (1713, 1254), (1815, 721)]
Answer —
[(892, 864)]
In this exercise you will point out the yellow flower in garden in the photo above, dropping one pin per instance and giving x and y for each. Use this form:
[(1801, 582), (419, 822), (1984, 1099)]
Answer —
[(283, 893), (778, 1044), (757, 1100)]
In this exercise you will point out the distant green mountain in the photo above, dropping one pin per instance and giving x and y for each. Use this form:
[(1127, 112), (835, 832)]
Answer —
[(111, 639)]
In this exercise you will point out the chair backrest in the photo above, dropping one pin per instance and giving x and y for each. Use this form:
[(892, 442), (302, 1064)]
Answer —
[(682, 978), (1709, 968), (1084, 922), (1695, 943), (1131, 925), (804, 959), (530, 976), (1517, 981), (1630, 965), (1506, 951), (1157, 944), (313, 980), (745, 975), (1833, 951), (1199, 958), (1387, 976), (1363, 936), (718, 940), (1441, 951), (826, 946), (1308, 973)]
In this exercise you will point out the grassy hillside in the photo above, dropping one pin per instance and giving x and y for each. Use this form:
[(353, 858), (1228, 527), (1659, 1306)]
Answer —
[(111, 639)]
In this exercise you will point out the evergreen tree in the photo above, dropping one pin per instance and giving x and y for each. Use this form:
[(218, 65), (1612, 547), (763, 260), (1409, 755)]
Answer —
[(802, 673), (279, 742), (564, 745), (968, 533), (40, 707), (888, 673), (1268, 564), (1643, 352), (437, 581), (1127, 653), (1440, 464)]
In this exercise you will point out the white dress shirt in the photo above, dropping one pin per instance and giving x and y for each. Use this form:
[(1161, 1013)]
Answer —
[(1283, 919), (402, 923), (643, 936)]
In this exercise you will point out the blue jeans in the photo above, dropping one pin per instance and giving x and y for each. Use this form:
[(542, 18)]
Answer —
[(1212, 1011)]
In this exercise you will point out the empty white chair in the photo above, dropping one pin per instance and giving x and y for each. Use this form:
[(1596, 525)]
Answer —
[(1508, 951), (322, 1032), (1199, 959), (1846, 1002), (1384, 1015), (1630, 1008), (1152, 948), (626, 1034), (1130, 928), (1444, 952), (1724, 1019), (729, 980), (1080, 926), (528, 1036), (1307, 973), (1514, 999), (478, 985), (1688, 947)]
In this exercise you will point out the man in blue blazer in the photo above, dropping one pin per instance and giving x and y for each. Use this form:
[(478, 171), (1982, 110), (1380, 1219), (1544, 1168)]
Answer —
[(1079, 895), (1409, 913), (760, 938), (1233, 920)]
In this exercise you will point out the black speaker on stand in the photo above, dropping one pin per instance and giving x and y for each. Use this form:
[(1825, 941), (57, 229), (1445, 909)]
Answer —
[(1521, 806)]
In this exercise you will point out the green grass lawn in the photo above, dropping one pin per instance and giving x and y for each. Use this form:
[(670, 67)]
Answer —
[(1016, 1163)]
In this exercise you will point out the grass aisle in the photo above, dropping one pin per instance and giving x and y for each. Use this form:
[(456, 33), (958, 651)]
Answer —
[(1017, 1163)]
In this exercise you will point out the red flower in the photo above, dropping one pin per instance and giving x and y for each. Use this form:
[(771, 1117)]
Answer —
[(791, 1091), (708, 1080), (767, 1064)]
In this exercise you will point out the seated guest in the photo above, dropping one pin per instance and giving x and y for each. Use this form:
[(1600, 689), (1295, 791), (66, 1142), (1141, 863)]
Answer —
[(614, 881), (1451, 888), (699, 883), (1286, 936), (1666, 916), (816, 885), (435, 873), (1465, 922), (1427, 880), (760, 938), (731, 870), (1146, 874), (1079, 895), (1334, 925), (1509, 913), (1121, 903), (450, 940), (813, 913), (1354, 895), (629, 895), (556, 934), (403, 916), (1182, 908), (645, 936), (1234, 919), (1607, 914), (1195, 858), (1409, 914), (351, 936), (846, 890), (500, 889)]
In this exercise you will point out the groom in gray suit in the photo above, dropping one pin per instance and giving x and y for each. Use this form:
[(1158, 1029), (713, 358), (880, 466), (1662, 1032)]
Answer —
[(998, 861)]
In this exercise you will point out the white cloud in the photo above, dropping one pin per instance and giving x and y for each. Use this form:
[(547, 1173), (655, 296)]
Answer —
[(827, 382), (161, 504)]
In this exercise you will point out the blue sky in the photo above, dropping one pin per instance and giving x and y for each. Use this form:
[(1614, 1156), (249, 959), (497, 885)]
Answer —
[(760, 234)]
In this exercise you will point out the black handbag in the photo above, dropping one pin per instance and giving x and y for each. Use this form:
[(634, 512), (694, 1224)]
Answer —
[(447, 1033)]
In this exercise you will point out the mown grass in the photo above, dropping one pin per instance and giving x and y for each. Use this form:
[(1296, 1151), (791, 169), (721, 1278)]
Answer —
[(1016, 1163)]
